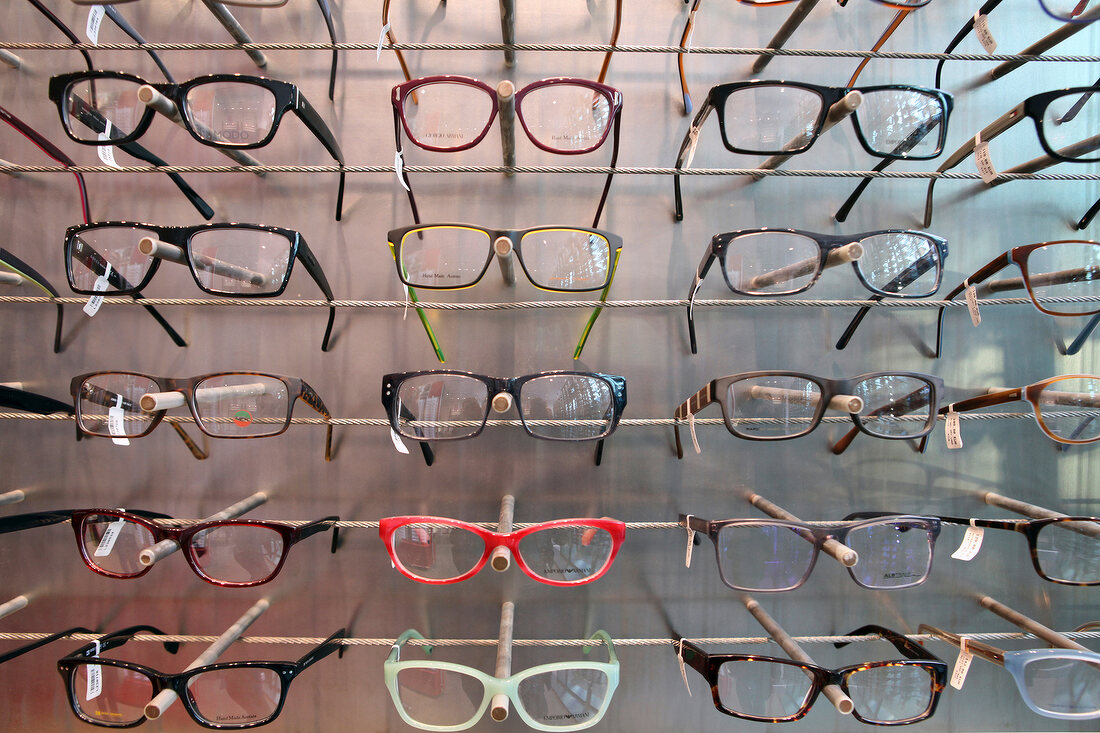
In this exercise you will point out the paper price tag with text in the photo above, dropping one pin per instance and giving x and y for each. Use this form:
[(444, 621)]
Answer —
[(381, 40), (397, 442), (116, 425), (971, 543), (107, 152), (952, 430), (95, 678), (962, 666), (95, 20), (110, 536), (972, 305), (399, 169), (101, 283), (984, 34), (984, 160)]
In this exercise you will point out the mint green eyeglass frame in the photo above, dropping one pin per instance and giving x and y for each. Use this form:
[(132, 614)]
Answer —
[(495, 685)]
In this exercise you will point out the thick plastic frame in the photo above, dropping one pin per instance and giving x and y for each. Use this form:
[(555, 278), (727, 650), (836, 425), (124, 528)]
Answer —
[(495, 685), (511, 540)]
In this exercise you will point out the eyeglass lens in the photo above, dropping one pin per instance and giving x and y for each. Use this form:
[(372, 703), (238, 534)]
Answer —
[(439, 697), (446, 115), (1070, 551), (113, 544), (890, 693), (771, 118), (895, 405), (1063, 685), (1065, 270), (565, 117), (92, 250), (235, 696), (111, 695), (901, 122), (237, 553), (564, 697), (1069, 125), (1069, 408), (772, 406), (101, 109), (763, 689), (230, 113)]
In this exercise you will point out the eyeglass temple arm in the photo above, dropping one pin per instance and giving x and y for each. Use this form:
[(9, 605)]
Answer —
[(689, 26), (1082, 337), (316, 124), (695, 524), (412, 296), (32, 402), (985, 9), (118, 638), (33, 520), (392, 39), (687, 150), (65, 30), (976, 403), (909, 648), (113, 13), (902, 14), (697, 283), (688, 408), (599, 309), (613, 42), (313, 267), (790, 25), (985, 651), (605, 637), (327, 13), (403, 174), (425, 449), (614, 161), (1012, 525), (692, 654), (43, 642), (1044, 161), (395, 650), (322, 650), (321, 525), (18, 266), (992, 267), (910, 275), (311, 398)]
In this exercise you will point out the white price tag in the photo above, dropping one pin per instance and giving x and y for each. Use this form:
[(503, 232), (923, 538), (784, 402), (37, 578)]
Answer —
[(680, 659), (381, 40), (985, 36), (95, 678), (691, 428), (405, 312), (952, 430), (95, 19), (972, 305), (116, 425), (397, 442), (971, 543), (962, 666), (110, 536), (399, 169), (107, 152), (94, 302), (691, 541), (693, 140)]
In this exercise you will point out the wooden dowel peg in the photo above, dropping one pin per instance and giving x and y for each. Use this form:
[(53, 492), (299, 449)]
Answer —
[(156, 401), (13, 497), (236, 30), (159, 704), (1030, 625), (851, 404), (840, 552), (9, 168), (836, 696), (500, 703), (1089, 529), (502, 402), (164, 548), (506, 101), (501, 557), (172, 253), (12, 385), (15, 604), (502, 248), (790, 25), (1046, 43), (10, 278), (508, 30), (840, 256), (10, 59), (842, 109)]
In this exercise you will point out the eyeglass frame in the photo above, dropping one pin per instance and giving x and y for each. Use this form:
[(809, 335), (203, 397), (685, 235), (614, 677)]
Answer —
[(826, 243), (388, 526), (159, 681), (287, 96), (186, 386), (181, 237), (829, 388), (1018, 256), (821, 532), (9, 261), (396, 237), (497, 686), (612, 96), (707, 665), (719, 93)]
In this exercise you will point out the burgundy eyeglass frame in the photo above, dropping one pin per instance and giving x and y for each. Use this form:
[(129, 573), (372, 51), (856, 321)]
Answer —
[(182, 536), (492, 540)]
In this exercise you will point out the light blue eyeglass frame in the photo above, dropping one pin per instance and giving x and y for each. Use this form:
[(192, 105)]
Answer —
[(495, 685)]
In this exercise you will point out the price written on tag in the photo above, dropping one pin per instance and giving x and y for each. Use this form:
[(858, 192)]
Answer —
[(984, 34), (952, 430), (95, 19), (984, 161), (381, 40), (690, 545), (95, 678), (107, 152), (972, 305), (962, 666), (971, 543), (399, 168), (110, 536), (101, 283), (116, 425)]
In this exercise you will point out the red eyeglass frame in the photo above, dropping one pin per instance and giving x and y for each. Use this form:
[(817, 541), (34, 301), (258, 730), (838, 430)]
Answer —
[(492, 540)]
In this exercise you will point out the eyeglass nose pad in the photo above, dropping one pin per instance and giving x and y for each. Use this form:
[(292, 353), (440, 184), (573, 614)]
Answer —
[(502, 402)]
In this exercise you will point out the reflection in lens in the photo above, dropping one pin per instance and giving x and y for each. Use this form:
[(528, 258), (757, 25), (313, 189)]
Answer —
[(103, 109), (572, 553), (771, 263), (772, 118), (426, 403), (242, 405), (1070, 408), (890, 693), (440, 697), (1069, 550), (1066, 685), (236, 696), (892, 554), (764, 689), (772, 406), (567, 407), (123, 694), (239, 260), (895, 405), (1065, 270), (764, 557), (230, 113), (92, 250), (902, 123), (102, 393), (568, 697), (113, 544), (436, 552), (1070, 126), (237, 553), (569, 118), (1071, 10), (566, 259), (447, 115), (444, 257), (902, 263)]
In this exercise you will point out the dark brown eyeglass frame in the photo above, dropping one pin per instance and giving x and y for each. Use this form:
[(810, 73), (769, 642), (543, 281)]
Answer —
[(299, 388), (708, 665), (1018, 256)]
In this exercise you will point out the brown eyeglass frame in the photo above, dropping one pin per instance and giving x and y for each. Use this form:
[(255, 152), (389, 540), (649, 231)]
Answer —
[(299, 388)]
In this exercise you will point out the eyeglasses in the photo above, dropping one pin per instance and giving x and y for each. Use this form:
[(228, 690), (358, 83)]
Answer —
[(1066, 408), (1066, 269), (769, 555), (1055, 683), (231, 553), (1064, 550), (554, 258), (895, 263), (122, 405), (1065, 121), (563, 552), (757, 117), (774, 690), (8, 656), (31, 402), (788, 30), (23, 271), (220, 695), (780, 405), (219, 110), (392, 39), (452, 405), (443, 696), (565, 116), (239, 260)]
